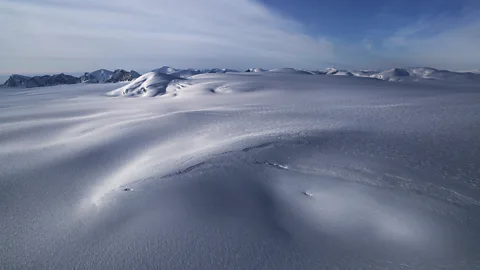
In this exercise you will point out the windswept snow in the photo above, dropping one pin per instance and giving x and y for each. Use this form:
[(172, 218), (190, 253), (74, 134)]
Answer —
[(241, 171)]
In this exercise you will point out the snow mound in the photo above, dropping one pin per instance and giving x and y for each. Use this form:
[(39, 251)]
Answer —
[(148, 85), (290, 70)]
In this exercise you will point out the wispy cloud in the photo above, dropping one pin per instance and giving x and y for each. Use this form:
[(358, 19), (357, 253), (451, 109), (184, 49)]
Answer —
[(56, 35), (81, 35), (444, 42)]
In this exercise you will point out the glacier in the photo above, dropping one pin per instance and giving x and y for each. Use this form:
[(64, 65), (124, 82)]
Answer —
[(258, 170)]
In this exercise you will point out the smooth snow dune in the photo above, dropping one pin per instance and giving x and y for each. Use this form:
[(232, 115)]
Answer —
[(267, 171)]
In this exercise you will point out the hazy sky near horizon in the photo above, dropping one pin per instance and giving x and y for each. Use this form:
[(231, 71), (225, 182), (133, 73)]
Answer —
[(47, 36)]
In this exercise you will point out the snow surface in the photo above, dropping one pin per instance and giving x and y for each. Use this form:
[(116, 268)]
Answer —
[(242, 171)]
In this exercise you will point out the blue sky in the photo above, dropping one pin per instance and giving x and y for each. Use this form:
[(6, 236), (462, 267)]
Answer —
[(47, 36)]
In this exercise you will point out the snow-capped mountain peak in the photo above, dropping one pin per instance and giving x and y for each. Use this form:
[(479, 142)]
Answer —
[(97, 76), (121, 75)]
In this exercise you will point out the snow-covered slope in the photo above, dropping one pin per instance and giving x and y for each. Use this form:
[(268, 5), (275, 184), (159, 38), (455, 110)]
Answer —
[(149, 85), (242, 171), (97, 76)]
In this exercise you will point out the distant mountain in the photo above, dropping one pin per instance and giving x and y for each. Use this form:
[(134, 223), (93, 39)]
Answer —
[(364, 73), (166, 70), (17, 81), (442, 75), (185, 73), (121, 75), (318, 72), (290, 71), (51, 80), (396, 74), (97, 76), (218, 70), (425, 73), (409, 74), (255, 70), (331, 71)]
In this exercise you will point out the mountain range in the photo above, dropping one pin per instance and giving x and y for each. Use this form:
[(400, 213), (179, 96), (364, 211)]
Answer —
[(120, 75)]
